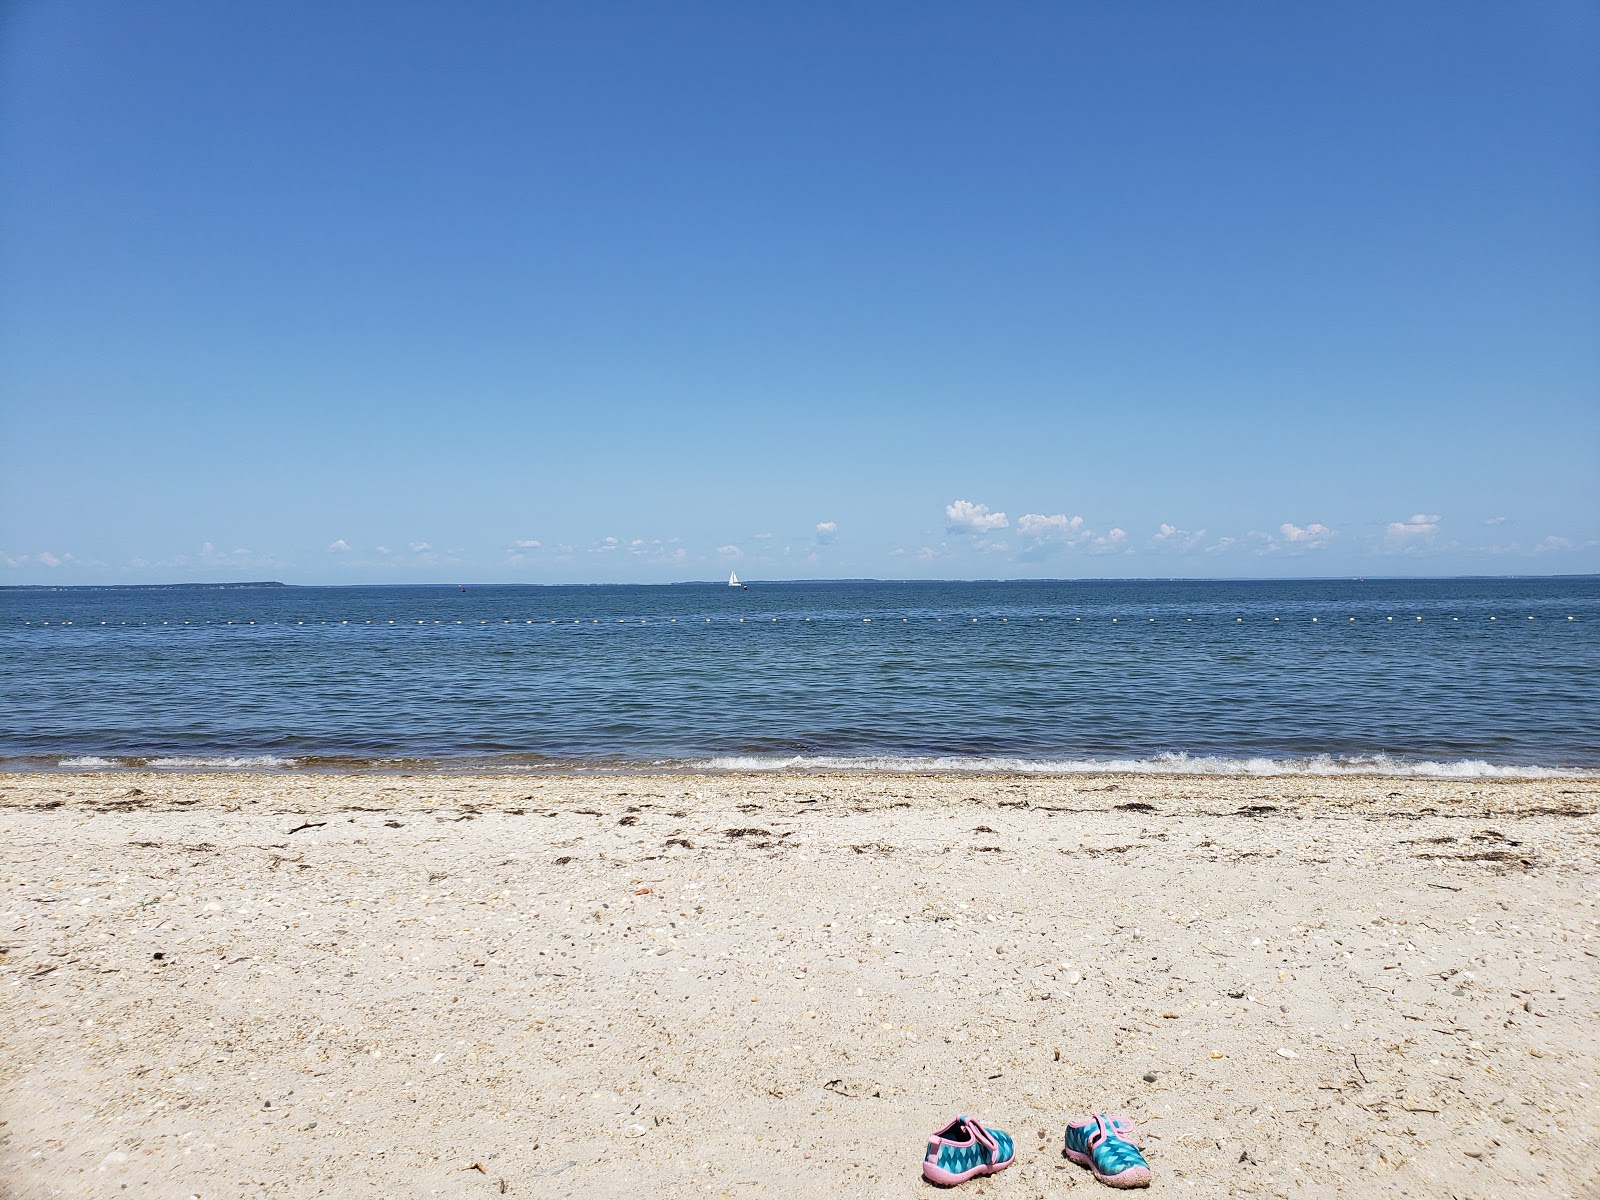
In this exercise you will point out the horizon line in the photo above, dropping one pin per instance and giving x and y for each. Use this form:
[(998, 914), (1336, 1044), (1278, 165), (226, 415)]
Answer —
[(275, 583)]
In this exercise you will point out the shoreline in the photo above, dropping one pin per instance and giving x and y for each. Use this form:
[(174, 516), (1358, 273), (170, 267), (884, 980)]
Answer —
[(757, 984), (1173, 767)]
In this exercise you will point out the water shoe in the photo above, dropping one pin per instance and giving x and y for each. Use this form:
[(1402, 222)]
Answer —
[(1109, 1147), (965, 1148)]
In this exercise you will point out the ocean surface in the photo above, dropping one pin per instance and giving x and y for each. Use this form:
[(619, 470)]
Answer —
[(1456, 677)]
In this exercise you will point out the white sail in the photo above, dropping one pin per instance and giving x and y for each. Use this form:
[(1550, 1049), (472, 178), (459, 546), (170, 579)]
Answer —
[(733, 580)]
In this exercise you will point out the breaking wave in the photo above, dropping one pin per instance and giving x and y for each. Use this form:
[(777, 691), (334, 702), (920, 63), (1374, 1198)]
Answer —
[(1160, 764)]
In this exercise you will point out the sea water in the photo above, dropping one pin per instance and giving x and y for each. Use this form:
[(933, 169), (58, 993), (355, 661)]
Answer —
[(1453, 677)]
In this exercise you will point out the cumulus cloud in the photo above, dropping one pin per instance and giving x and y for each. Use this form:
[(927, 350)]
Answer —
[(1553, 542), (827, 531), (1310, 537), (1042, 535), (339, 547), (927, 554), (527, 544), (1420, 525), (1112, 542), (1171, 537), (730, 551), (1057, 528), (420, 547), (964, 516), (1220, 545), (48, 559), (1495, 521)]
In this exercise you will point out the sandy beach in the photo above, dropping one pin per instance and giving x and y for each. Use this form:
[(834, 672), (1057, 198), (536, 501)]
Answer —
[(755, 985)]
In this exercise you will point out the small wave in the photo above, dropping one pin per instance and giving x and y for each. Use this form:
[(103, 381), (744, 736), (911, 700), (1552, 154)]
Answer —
[(1160, 764), (87, 762), (256, 762)]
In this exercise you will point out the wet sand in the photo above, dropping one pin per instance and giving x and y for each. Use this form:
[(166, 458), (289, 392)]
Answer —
[(754, 985)]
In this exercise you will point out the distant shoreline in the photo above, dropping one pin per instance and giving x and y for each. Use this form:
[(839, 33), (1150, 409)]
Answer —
[(757, 583)]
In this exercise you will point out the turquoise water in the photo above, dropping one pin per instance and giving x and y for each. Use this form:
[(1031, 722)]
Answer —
[(1451, 677)]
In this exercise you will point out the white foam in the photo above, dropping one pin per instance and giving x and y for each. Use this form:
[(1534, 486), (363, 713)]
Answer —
[(258, 762), (87, 762), (1160, 764)]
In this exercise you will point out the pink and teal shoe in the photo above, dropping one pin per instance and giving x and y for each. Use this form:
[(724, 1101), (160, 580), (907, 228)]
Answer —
[(965, 1148), (1109, 1147)]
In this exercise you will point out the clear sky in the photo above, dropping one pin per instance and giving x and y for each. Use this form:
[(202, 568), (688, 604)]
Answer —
[(389, 292)]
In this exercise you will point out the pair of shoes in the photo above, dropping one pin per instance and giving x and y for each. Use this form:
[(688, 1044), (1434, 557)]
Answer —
[(1109, 1147), (965, 1148)]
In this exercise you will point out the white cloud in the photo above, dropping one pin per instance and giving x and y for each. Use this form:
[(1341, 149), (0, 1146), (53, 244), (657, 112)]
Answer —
[(1179, 539), (1420, 525), (963, 516), (1220, 545), (384, 550), (928, 553), (760, 537), (1495, 521), (1553, 542), (1057, 528), (826, 531), (339, 547), (207, 548), (1311, 537), (7, 561), (1109, 544), (730, 551), (527, 544), (420, 547)]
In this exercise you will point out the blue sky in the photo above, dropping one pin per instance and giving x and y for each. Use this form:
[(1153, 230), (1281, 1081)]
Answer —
[(368, 292)]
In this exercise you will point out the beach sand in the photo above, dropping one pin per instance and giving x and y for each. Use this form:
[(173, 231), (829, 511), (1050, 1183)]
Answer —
[(760, 985)]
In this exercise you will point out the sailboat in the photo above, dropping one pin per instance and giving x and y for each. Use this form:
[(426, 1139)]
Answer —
[(733, 579)]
